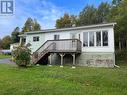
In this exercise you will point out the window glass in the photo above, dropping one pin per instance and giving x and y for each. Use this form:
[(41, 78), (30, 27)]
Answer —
[(35, 39), (98, 38), (85, 39), (56, 37), (105, 38), (73, 35), (91, 38)]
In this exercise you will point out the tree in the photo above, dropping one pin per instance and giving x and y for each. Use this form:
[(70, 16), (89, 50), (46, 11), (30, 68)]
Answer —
[(64, 22), (116, 2), (37, 26), (14, 35), (118, 14), (1, 46), (31, 25), (102, 12), (6, 41), (88, 16)]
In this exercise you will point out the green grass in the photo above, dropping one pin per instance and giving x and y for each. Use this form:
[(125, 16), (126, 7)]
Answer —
[(45, 80), (2, 56)]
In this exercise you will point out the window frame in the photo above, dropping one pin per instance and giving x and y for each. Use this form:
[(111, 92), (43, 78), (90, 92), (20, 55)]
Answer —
[(36, 38), (95, 38), (56, 37)]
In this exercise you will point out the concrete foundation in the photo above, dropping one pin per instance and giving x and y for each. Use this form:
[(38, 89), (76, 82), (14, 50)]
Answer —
[(87, 59)]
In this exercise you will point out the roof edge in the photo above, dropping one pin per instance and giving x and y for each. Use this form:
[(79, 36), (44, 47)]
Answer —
[(72, 28)]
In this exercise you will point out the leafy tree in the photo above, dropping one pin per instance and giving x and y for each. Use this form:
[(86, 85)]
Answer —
[(102, 12), (88, 16), (116, 2), (31, 25), (14, 35), (64, 22), (1, 46), (118, 14), (6, 41)]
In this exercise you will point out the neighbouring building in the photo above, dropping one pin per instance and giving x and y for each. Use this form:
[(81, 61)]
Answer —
[(91, 45)]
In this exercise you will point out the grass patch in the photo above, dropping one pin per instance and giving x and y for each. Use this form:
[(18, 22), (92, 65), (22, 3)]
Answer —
[(44, 80), (3, 56)]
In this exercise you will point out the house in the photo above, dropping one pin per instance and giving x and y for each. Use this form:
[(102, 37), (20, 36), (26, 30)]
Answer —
[(13, 46), (91, 45)]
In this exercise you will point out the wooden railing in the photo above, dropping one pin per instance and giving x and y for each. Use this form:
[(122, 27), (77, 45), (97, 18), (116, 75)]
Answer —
[(57, 46)]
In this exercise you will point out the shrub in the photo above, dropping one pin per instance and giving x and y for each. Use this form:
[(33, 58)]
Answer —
[(22, 56)]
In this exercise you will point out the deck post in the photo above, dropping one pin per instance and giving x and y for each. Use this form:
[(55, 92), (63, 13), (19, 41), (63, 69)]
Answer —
[(20, 42), (61, 55), (73, 60), (50, 59)]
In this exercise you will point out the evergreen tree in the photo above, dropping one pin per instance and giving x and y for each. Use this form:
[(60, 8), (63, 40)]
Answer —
[(31, 25), (88, 16), (14, 35), (103, 12), (37, 26)]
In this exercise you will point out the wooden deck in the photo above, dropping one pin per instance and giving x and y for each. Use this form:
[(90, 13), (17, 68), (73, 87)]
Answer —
[(63, 46)]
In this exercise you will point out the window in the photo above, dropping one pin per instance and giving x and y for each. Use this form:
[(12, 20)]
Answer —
[(85, 39), (56, 37), (98, 38), (105, 38), (24, 40), (35, 39), (91, 38), (73, 36)]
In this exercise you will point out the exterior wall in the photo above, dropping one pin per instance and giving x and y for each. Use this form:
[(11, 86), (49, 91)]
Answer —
[(67, 35), (35, 45), (87, 59), (96, 59)]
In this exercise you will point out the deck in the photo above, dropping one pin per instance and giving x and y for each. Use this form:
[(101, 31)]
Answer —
[(62, 47)]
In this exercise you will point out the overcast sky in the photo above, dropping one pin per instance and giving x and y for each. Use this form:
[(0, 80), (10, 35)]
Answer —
[(45, 11)]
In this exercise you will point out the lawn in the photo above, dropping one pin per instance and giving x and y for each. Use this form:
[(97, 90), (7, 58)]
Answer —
[(45, 80), (2, 56)]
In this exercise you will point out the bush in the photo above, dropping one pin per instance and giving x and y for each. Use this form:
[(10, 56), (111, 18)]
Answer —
[(22, 56)]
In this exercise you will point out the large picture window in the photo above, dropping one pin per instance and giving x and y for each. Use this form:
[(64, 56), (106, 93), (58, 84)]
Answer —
[(85, 39), (98, 38), (105, 38), (91, 38)]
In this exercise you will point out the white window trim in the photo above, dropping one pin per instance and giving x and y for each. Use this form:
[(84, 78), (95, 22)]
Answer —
[(95, 39)]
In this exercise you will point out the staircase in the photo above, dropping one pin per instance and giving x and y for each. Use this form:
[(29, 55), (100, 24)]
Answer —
[(56, 46), (42, 51)]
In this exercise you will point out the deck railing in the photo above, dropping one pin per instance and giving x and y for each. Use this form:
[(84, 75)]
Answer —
[(62, 45), (58, 46)]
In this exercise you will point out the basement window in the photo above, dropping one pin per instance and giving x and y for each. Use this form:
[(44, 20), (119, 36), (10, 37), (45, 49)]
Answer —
[(35, 39)]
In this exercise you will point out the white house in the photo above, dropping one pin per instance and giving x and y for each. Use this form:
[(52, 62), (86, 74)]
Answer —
[(91, 45)]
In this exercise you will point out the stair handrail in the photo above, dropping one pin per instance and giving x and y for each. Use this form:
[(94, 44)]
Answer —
[(39, 55)]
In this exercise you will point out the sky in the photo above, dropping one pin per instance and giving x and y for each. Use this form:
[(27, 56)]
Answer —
[(45, 11)]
